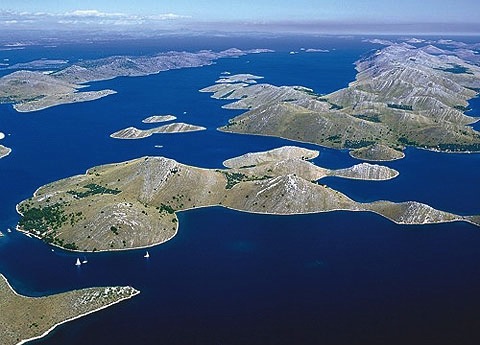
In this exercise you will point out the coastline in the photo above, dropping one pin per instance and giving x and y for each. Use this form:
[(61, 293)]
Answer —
[(30, 235), (220, 129), (353, 206), (24, 341)]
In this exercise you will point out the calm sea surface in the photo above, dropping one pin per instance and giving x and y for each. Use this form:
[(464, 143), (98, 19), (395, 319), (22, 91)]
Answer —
[(236, 278)]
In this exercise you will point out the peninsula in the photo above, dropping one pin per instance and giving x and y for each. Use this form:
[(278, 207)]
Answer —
[(133, 204), (27, 318), (402, 96)]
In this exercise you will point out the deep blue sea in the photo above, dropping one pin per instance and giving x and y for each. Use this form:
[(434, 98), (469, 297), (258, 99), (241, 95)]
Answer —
[(232, 278)]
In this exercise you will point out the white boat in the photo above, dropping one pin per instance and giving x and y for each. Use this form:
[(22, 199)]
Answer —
[(85, 261), (147, 255), (78, 263), (9, 230)]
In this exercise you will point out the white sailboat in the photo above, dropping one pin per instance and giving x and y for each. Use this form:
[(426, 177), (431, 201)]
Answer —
[(78, 263), (147, 255)]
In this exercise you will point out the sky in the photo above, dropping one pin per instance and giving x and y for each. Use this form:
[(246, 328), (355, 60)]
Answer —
[(15, 13)]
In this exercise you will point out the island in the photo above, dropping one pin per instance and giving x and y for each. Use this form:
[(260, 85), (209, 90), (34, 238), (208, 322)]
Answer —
[(4, 151), (377, 152), (159, 118), (133, 204), (27, 318), (36, 90), (316, 50), (135, 133), (402, 96)]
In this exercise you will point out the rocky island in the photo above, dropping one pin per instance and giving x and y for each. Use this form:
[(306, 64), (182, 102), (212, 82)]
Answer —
[(135, 133), (4, 151), (27, 318), (133, 204), (159, 118), (402, 96)]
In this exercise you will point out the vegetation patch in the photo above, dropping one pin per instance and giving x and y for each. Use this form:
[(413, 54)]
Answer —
[(400, 106), (407, 142), (455, 69), (462, 108), (369, 117), (358, 144), (334, 106), (93, 189), (42, 219), (166, 208), (228, 94), (234, 178)]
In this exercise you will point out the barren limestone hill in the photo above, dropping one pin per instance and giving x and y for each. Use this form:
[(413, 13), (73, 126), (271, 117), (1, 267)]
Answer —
[(402, 96), (159, 118), (135, 133), (132, 204), (24, 318)]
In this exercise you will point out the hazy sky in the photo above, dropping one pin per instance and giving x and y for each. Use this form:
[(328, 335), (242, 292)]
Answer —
[(250, 13), (270, 10)]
